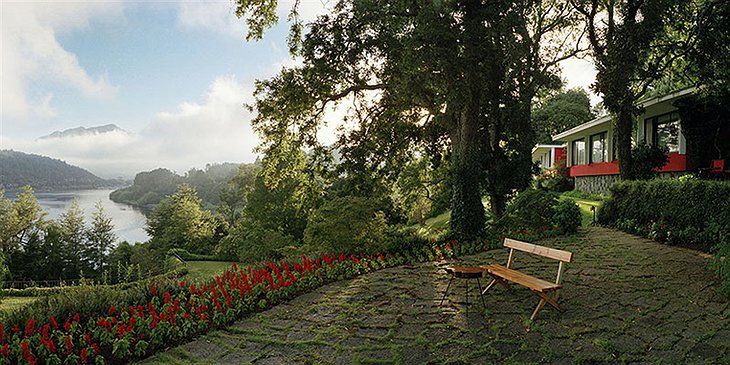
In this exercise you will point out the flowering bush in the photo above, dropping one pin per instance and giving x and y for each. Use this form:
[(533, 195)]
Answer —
[(166, 316)]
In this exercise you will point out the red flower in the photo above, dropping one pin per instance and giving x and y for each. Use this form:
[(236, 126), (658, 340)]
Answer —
[(167, 297), (5, 351), (69, 344), (53, 322), (67, 325), (154, 290), (16, 329), (96, 348), (112, 310), (77, 319), (83, 355), (29, 327), (87, 338), (51, 346)]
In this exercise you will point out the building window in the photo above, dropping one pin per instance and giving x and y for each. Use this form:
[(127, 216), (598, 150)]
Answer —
[(579, 152), (665, 131), (599, 152)]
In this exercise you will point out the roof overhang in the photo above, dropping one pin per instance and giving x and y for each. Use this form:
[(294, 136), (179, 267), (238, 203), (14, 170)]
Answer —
[(607, 118)]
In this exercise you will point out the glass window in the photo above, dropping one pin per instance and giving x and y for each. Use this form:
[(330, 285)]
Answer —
[(599, 152), (579, 152), (664, 131)]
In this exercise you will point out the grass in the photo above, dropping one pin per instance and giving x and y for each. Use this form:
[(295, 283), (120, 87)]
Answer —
[(10, 304), (206, 269), (585, 206)]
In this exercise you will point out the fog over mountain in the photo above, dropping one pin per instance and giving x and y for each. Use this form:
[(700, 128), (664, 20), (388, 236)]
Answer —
[(82, 131)]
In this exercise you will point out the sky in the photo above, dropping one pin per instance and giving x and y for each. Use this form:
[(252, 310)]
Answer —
[(173, 74)]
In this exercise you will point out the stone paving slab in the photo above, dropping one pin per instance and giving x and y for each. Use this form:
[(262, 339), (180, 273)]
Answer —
[(625, 300)]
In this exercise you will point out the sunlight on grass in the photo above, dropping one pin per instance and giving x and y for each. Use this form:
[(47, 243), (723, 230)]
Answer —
[(206, 269), (9, 304), (585, 209)]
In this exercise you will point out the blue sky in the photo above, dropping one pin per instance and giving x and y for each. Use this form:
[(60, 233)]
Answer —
[(173, 74)]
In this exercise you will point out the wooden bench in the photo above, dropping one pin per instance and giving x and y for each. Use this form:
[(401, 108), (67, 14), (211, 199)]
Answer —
[(547, 291)]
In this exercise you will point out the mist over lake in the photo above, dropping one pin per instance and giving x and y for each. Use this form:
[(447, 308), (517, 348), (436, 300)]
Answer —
[(128, 221)]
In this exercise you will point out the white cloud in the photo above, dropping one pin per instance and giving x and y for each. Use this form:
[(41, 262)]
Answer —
[(31, 52), (213, 15), (215, 130)]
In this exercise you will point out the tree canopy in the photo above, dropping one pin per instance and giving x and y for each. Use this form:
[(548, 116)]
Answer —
[(455, 78)]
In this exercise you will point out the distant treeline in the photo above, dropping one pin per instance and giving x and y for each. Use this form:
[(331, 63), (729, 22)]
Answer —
[(43, 173), (150, 187)]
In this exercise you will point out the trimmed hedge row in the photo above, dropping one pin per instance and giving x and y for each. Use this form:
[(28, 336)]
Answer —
[(691, 213)]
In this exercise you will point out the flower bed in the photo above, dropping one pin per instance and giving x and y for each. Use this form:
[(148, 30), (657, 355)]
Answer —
[(175, 314)]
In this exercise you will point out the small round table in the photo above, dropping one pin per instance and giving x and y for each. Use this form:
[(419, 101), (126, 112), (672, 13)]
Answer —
[(465, 272)]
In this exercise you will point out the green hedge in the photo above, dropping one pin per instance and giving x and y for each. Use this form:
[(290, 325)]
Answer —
[(691, 213)]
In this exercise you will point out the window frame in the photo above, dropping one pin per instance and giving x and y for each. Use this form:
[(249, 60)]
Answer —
[(574, 152), (604, 149), (654, 124)]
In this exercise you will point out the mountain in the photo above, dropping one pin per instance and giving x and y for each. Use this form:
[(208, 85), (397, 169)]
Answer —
[(43, 173), (81, 131)]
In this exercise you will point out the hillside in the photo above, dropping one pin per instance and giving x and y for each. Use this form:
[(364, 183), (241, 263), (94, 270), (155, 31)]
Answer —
[(82, 131), (150, 187), (43, 173)]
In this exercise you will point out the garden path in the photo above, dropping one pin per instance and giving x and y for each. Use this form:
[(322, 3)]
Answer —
[(626, 299)]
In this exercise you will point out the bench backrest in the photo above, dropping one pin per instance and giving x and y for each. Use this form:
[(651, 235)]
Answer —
[(548, 252), (555, 254)]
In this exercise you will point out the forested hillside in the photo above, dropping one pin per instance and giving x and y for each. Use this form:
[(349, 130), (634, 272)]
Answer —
[(43, 173), (150, 187)]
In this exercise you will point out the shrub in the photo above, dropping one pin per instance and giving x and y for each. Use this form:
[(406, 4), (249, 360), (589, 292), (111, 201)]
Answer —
[(347, 224), (646, 160), (537, 211), (531, 208), (250, 241), (690, 212), (567, 217), (721, 265), (555, 179)]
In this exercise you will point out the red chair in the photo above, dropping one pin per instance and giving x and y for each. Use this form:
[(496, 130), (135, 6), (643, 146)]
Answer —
[(717, 169)]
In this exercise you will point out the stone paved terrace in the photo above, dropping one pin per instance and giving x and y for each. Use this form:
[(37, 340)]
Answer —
[(626, 300)]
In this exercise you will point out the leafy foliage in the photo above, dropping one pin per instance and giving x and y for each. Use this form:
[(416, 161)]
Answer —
[(454, 78), (540, 211), (647, 159), (181, 221), (671, 211), (632, 42), (347, 224), (560, 112), (150, 187)]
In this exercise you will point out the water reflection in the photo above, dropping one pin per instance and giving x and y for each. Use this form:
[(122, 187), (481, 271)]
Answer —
[(128, 221)]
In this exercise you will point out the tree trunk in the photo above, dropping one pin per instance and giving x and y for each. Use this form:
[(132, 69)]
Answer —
[(624, 129), (467, 211)]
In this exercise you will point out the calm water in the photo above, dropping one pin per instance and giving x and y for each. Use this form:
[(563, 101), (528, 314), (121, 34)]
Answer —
[(128, 221)]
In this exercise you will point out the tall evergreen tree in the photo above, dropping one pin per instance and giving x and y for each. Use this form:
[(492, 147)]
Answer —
[(100, 236)]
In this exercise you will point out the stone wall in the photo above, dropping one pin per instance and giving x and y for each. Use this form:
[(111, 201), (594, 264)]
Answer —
[(595, 184), (600, 184)]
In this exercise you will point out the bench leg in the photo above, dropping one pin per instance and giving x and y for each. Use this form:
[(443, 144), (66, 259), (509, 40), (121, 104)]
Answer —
[(447, 290), (544, 299)]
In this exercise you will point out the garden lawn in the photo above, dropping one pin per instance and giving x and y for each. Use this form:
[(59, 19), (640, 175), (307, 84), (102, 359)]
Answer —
[(9, 304), (625, 299), (585, 206), (205, 269)]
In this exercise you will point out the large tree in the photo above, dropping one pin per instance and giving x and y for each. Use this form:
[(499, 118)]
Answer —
[(457, 75), (633, 43)]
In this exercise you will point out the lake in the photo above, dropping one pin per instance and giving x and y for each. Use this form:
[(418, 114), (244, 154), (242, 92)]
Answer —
[(128, 221)]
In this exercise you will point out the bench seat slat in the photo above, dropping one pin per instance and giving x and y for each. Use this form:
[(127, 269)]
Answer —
[(521, 279)]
